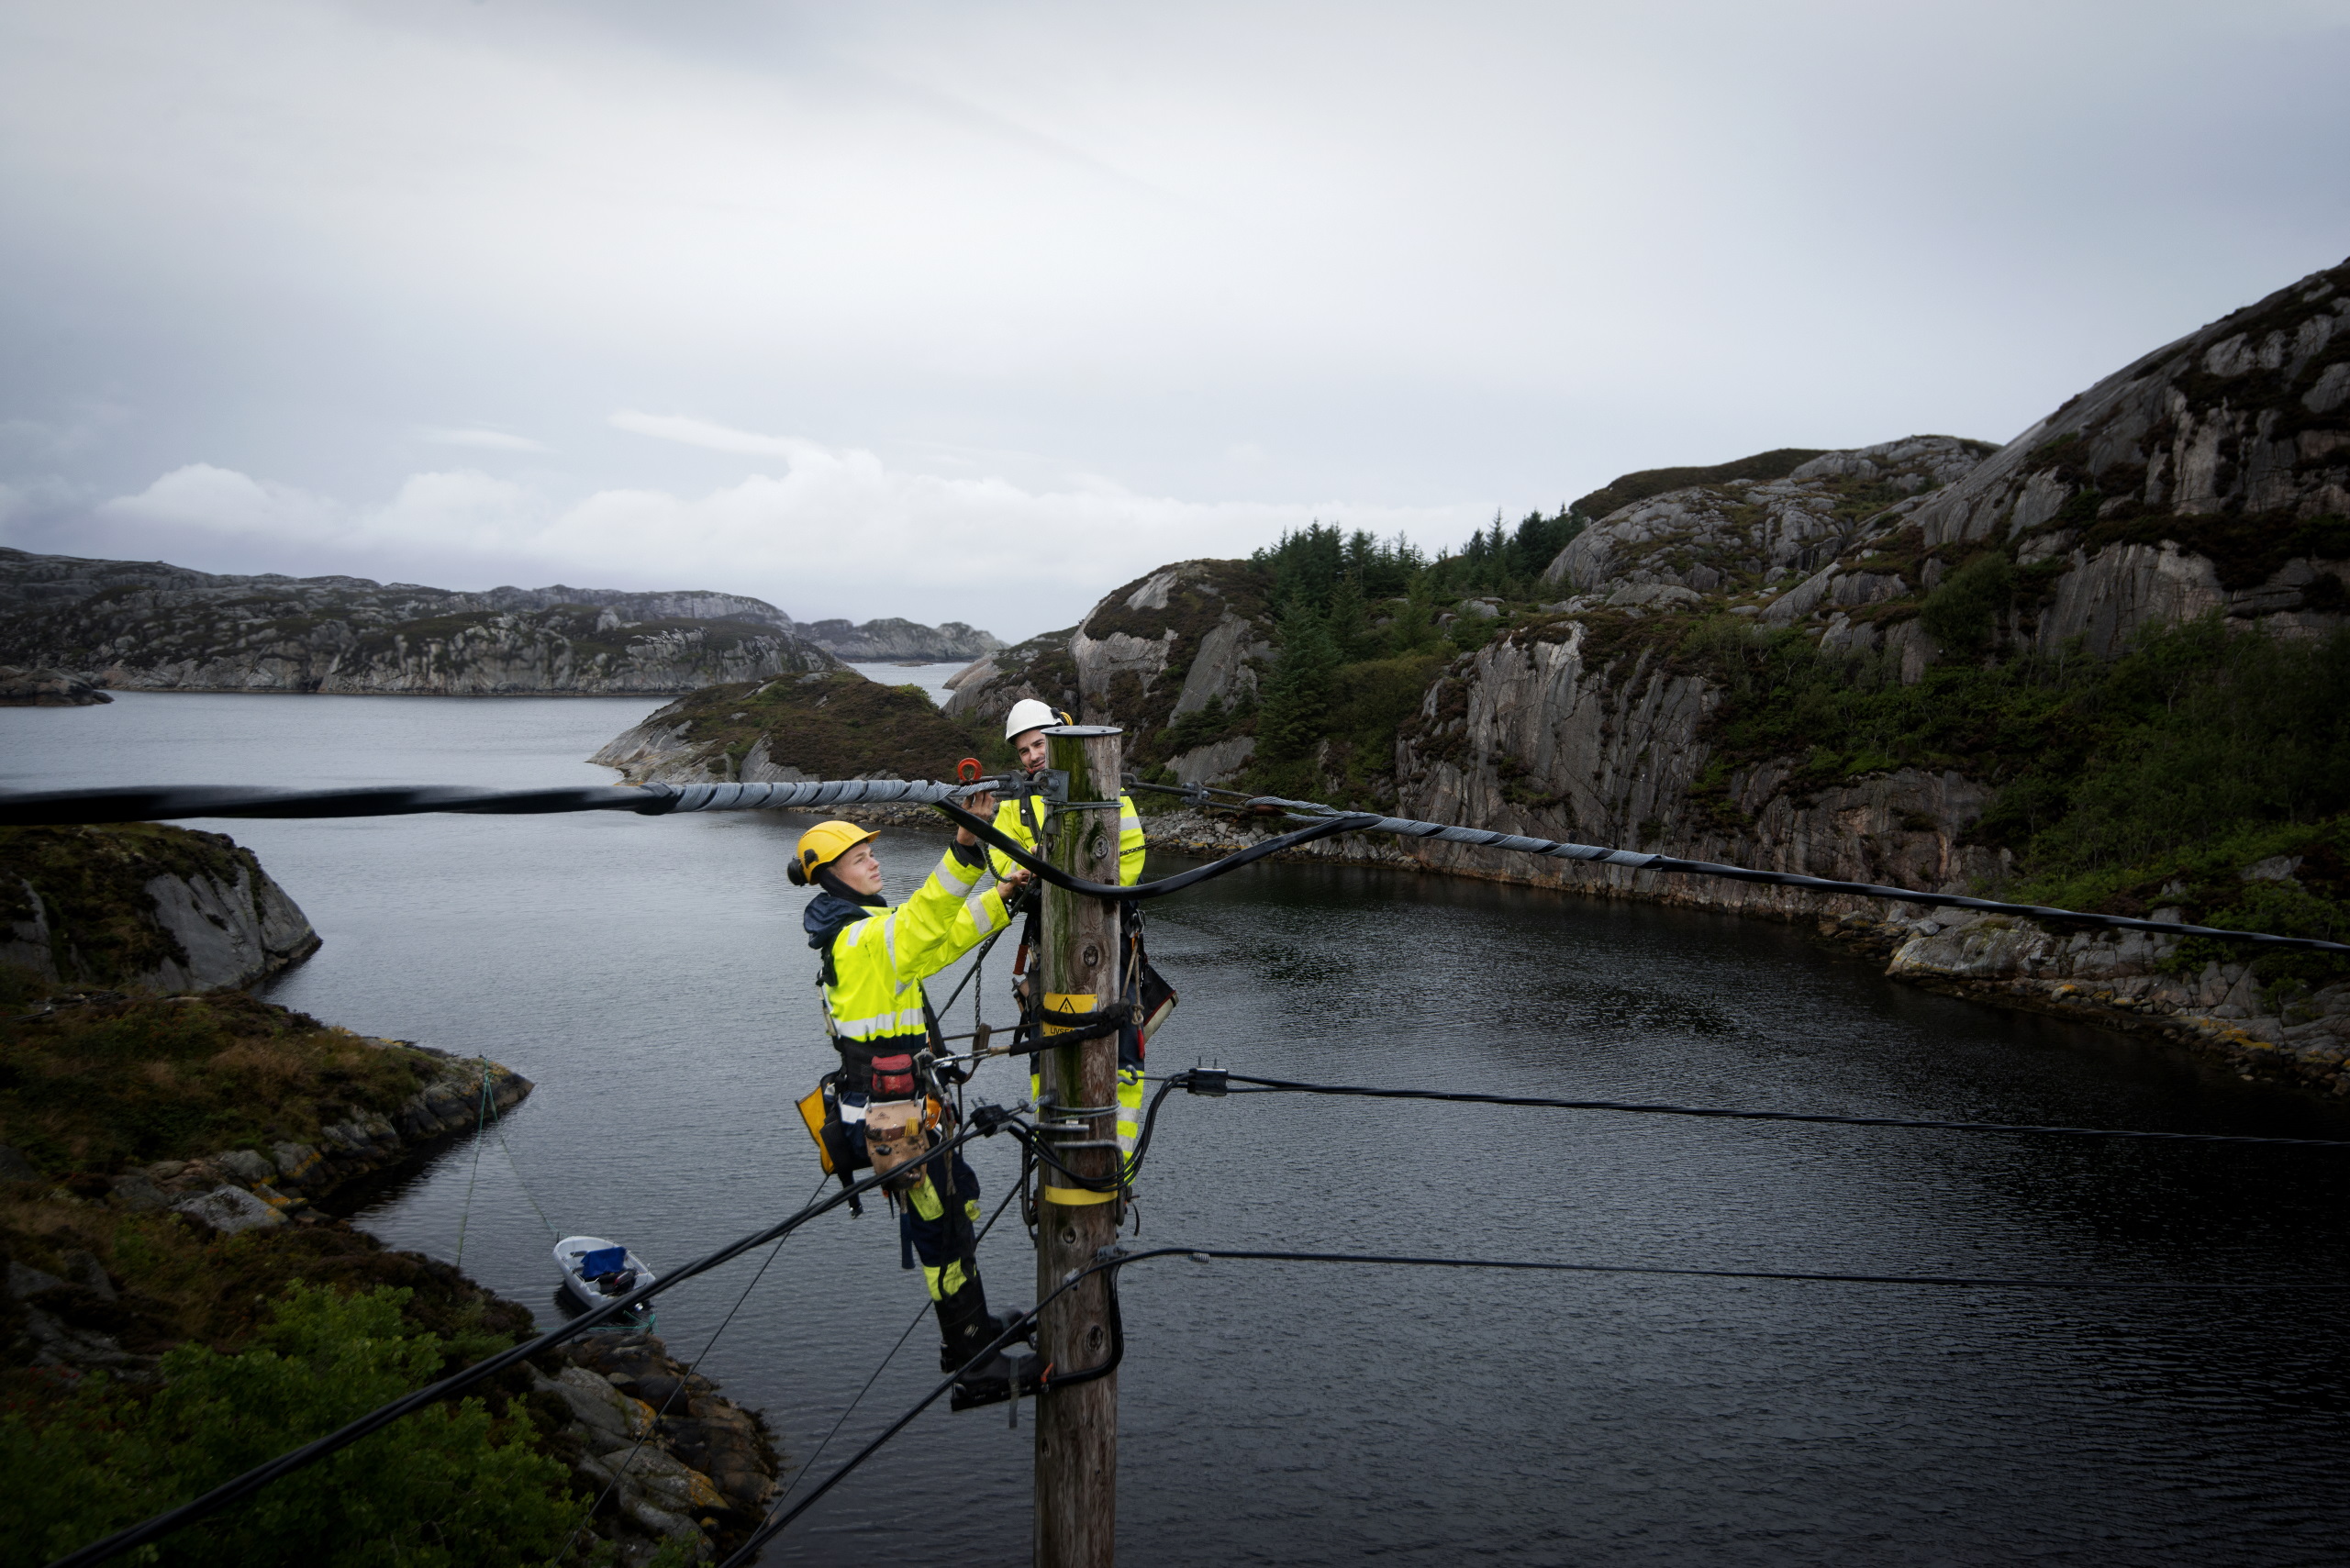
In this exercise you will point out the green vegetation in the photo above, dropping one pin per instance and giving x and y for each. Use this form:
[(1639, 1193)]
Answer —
[(832, 723), (93, 887), (454, 1484), (2150, 779), (91, 1085), (1361, 640)]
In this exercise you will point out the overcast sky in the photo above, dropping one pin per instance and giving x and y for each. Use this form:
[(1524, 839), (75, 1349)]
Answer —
[(974, 310)]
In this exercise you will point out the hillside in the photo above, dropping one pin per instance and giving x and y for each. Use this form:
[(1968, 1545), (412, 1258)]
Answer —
[(822, 725), (181, 1300), (2103, 665), (149, 626)]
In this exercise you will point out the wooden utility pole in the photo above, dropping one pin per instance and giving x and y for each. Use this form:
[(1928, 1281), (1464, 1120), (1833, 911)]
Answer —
[(1076, 1428)]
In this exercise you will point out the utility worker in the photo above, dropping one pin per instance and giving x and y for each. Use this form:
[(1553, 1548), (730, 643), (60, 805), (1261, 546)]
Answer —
[(1024, 727), (874, 960)]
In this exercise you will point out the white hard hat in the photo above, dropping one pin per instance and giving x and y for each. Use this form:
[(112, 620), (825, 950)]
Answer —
[(1028, 714)]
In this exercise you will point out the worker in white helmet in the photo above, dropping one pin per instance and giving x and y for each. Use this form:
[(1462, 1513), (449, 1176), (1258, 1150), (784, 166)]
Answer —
[(1024, 727)]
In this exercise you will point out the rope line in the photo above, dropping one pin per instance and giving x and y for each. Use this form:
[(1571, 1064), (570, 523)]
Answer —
[(1196, 1078), (481, 1120)]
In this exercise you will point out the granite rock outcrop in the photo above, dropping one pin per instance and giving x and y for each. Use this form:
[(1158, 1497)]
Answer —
[(144, 907), (152, 627), (891, 639), (1163, 647)]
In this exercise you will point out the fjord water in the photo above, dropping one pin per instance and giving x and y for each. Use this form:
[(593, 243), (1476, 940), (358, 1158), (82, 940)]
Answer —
[(651, 976)]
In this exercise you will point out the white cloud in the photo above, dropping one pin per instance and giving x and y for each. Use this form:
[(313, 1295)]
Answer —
[(474, 436), (835, 533), (692, 432), (225, 501)]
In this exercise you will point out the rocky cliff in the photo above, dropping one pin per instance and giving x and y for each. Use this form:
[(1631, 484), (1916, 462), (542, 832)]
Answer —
[(149, 626), (878, 641), (143, 907), (1188, 640)]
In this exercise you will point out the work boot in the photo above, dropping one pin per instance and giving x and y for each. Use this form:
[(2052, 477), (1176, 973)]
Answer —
[(993, 1380), (966, 1326)]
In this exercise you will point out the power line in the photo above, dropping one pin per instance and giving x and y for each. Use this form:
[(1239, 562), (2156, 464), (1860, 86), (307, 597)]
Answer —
[(253, 1479), (1635, 861), (1211, 1081), (1116, 1260), (51, 808)]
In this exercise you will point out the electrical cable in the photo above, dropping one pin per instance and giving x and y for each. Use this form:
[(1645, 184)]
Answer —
[(253, 1479), (694, 1366), (39, 807), (1117, 1259), (1405, 826), (1209, 1079), (882, 1366)]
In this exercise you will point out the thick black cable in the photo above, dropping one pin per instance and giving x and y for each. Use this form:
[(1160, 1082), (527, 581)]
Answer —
[(920, 1313), (621, 1470), (160, 803), (1404, 827), (284, 1464), (1120, 1260), (1287, 1086), (776, 1526), (1046, 871)]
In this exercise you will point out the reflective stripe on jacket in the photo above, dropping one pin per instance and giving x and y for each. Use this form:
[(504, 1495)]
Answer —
[(879, 962), (1131, 845)]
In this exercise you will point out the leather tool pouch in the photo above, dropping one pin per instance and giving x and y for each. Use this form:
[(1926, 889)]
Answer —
[(893, 1135)]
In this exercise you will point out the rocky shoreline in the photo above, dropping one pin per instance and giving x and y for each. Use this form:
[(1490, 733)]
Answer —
[(2126, 980)]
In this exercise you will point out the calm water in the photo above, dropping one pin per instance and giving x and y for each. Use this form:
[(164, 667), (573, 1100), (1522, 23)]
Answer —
[(651, 976)]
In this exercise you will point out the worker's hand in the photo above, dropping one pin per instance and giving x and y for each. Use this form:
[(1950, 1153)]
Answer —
[(1013, 881), (982, 806)]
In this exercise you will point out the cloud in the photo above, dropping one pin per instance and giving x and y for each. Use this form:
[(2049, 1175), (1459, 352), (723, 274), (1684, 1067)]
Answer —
[(702, 433), (834, 532), (225, 501), (473, 436)]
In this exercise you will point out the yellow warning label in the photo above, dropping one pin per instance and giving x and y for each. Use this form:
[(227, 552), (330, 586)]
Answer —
[(1065, 1002)]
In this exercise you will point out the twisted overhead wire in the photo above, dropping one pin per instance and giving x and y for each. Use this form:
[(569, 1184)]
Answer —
[(162, 804), (1633, 859)]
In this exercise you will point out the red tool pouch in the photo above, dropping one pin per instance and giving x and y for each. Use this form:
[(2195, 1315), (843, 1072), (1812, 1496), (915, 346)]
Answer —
[(893, 1077)]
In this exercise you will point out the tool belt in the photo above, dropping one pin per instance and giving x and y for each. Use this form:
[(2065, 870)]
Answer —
[(881, 1126)]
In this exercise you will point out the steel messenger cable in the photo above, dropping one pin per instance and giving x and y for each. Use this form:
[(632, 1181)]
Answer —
[(1213, 1082), (253, 1479), (161, 804), (1111, 1260)]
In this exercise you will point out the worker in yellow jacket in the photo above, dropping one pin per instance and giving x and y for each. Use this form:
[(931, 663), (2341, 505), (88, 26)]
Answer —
[(1024, 727), (874, 959)]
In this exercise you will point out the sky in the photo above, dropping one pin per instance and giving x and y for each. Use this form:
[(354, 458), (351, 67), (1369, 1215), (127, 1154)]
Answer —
[(975, 311)]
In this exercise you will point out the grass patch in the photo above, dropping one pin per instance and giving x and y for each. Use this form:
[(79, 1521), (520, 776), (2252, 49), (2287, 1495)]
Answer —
[(90, 1086), (829, 725), (92, 887)]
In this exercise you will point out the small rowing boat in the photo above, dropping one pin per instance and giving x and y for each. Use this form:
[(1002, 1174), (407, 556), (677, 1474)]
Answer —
[(594, 1270)]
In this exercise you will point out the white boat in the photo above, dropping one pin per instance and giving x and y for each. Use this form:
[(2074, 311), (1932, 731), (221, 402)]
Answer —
[(594, 1270)]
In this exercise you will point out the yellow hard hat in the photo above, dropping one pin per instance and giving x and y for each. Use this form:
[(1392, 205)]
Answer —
[(823, 844)]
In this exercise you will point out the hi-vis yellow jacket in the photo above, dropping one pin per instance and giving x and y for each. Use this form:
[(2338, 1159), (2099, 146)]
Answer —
[(1131, 847), (873, 985)]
